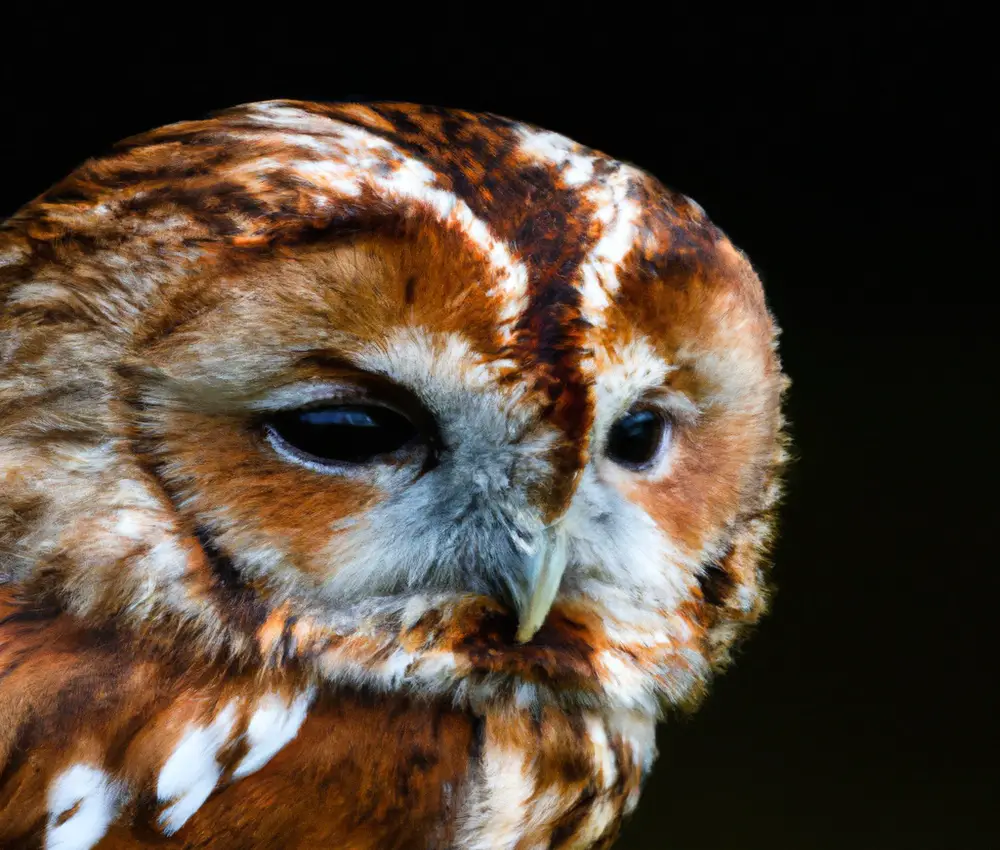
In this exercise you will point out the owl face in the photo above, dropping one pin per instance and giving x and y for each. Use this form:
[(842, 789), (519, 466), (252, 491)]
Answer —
[(423, 399)]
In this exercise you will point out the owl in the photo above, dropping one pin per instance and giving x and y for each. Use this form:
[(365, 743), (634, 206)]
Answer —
[(371, 476)]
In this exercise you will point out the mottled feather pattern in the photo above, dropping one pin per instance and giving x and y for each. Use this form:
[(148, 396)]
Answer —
[(203, 645)]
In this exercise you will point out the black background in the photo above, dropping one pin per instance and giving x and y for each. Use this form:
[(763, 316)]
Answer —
[(849, 155)]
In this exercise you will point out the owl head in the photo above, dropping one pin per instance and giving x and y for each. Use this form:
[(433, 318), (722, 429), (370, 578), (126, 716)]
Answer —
[(410, 398)]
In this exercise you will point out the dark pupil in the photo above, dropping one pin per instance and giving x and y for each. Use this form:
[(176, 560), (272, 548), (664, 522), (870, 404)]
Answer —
[(635, 438), (351, 434)]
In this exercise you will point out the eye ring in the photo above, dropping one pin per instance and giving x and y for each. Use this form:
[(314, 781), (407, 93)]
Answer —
[(638, 438), (341, 435)]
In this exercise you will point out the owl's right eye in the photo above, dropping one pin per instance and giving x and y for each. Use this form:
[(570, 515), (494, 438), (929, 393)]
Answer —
[(340, 434)]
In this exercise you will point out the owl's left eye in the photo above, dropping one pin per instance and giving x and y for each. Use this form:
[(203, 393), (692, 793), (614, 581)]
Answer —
[(341, 434), (637, 438)]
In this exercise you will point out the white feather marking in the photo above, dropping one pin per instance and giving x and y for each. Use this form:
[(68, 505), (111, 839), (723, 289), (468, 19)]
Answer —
[(616, 211), (97, 799), (603, 754), (494, 820), (393, 671), (444, 363), (600, 817), (135, 494), (130, 525), (281, 115), (11, 255), (273, 725), (190, 774), (599, 279), (337, 177), (545, 808), (437, 667), (578, 167), (638, 730), (413, 181), (355, 157), (167, 558), (415, 608), (746, 598), (39, 292), (629, 684)]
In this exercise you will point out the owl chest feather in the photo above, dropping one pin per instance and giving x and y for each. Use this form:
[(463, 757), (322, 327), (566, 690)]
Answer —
[(105, 746)]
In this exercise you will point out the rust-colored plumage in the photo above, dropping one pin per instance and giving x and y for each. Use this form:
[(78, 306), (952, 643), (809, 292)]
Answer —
[(211, 637)]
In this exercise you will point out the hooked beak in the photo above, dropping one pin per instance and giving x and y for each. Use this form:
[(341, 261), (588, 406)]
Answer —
[(544, 574)]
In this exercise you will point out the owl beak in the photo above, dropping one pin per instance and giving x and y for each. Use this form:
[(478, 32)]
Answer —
[(546, 566)]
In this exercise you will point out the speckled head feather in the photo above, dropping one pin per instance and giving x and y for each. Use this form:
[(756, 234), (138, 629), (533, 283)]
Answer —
[(510, 292)]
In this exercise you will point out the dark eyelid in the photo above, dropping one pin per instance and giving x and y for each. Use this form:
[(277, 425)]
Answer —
[(330, 364), (352, 386)]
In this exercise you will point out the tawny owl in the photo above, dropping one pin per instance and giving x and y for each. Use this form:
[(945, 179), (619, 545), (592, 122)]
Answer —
[(371, 476)]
